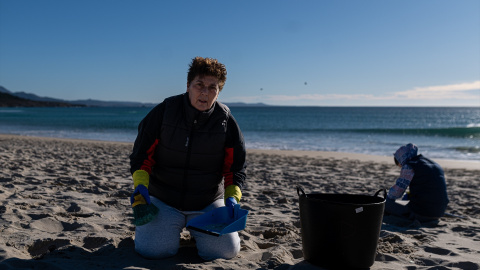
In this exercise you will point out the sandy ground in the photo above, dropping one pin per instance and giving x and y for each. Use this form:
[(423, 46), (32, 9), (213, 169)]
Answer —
[(64, 204)]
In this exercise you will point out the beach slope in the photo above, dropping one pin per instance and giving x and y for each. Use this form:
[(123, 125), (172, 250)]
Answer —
[(65, 204)]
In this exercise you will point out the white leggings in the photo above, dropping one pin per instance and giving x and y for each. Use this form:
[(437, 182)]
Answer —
[(160, 238)]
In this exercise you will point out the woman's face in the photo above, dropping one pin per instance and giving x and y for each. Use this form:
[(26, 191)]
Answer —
[(203, 92)]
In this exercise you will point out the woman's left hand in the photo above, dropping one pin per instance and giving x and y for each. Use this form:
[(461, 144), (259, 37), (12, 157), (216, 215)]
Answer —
[(230, 204)]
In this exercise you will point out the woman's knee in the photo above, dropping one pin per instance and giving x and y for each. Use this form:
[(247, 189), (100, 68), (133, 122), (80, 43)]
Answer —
[(155, 245), (230, 252), (226, 249), (155, 251), (209, 255)]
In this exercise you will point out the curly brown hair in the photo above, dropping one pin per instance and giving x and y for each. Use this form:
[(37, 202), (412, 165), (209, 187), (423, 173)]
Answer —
[(207, 67)]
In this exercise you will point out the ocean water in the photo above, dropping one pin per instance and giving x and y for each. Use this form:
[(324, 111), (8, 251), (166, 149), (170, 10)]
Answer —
[(447, 133)]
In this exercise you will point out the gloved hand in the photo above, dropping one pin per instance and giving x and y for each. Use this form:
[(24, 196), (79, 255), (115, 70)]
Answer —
[(230, 204), (140, 196), (143, 210)]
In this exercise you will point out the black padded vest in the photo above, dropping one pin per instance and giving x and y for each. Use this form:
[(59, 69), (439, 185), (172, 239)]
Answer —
[(190, 155)]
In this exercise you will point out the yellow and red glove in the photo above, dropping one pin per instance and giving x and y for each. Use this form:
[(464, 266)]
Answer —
[(143, 210), (140, 195), (233, 194)]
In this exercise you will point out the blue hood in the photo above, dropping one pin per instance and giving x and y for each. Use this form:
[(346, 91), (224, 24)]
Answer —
[(405, 153)]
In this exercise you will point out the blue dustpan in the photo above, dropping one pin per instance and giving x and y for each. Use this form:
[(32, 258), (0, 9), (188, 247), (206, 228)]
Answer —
[(217, 222)]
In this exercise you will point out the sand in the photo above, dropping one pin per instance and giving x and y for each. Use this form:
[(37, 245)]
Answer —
[(64, 204)]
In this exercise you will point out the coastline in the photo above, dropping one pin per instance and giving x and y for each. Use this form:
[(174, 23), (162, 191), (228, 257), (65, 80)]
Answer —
[(65, 202), (445, 163)]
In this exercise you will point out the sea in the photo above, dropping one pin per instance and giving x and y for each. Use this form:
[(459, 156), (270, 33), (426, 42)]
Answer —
[(439, 132)]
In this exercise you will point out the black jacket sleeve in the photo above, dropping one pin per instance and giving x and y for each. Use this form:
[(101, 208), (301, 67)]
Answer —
[(235, 155), (147, 140)]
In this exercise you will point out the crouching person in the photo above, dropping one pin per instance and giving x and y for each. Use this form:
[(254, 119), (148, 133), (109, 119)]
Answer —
[(425, 180)]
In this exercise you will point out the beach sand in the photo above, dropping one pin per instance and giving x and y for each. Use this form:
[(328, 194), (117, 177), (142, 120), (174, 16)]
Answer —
[(64, 204)]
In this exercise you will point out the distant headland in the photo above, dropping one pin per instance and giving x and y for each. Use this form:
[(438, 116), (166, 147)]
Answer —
[(9, 100), (22, 99)]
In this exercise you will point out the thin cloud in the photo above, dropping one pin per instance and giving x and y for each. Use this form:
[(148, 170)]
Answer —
[(461, 91), (452, 91), (318, 97)]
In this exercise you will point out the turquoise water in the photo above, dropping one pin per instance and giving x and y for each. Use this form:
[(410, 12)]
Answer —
[(451, 133)]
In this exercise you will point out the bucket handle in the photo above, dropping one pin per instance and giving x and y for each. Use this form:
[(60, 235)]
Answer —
[(384, 193), (300, 189)]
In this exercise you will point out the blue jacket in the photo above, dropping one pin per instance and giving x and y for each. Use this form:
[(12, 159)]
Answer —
[(425, 179), (428, 190)]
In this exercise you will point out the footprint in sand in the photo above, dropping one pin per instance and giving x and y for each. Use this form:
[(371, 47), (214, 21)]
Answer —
[(441, 263), (47, 225), (439, 251), (74, 207), (468, 231), (5, 180), (94, 242), (71, 226), (42, 247)]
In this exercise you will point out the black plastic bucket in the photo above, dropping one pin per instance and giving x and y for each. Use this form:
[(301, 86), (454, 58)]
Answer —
[(340, 230)]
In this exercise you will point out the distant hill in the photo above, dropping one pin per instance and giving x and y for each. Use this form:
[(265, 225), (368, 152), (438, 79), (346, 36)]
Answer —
[(54, 102), (9, 100), (36, 98), (100, 103), (72, 103), (4, 90)]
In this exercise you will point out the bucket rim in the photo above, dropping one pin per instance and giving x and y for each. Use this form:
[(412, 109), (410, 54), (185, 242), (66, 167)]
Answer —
[(301, 193), (343, 199), (380, 200)]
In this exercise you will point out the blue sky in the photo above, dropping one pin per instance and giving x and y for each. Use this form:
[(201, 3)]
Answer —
[(321, 53)]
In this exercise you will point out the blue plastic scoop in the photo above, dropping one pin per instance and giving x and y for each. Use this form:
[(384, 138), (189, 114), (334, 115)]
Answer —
[(217, 222)]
